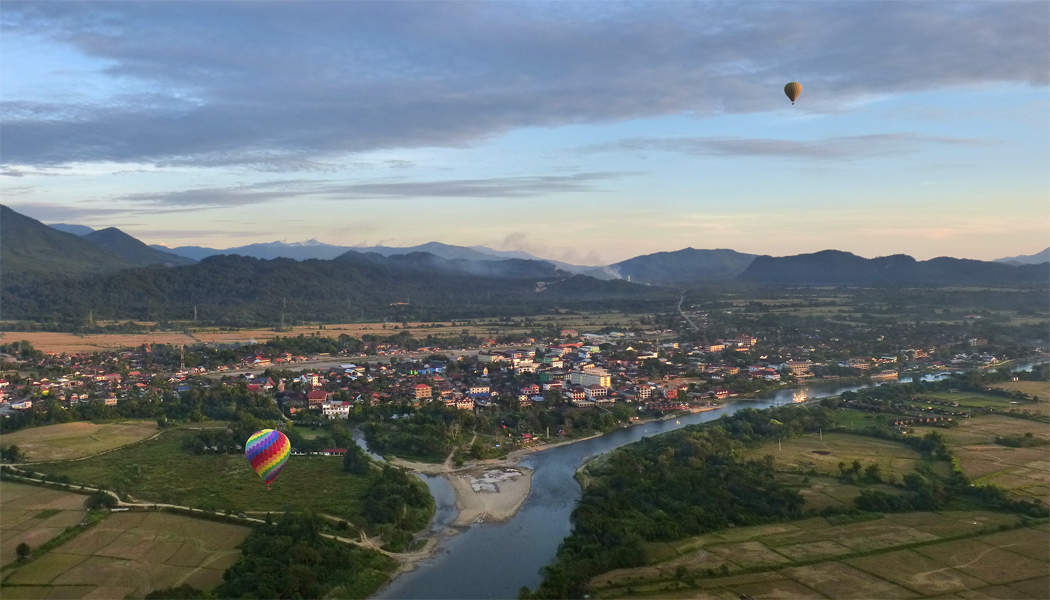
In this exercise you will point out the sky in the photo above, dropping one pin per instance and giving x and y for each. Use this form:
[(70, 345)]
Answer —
[(587, 132)]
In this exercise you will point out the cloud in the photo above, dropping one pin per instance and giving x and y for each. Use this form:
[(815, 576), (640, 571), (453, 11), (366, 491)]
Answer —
[(844, 147), (258, 193), (294, 86), (51, 213)]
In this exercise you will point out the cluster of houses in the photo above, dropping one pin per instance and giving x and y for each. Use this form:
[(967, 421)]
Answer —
[(81, 385), (571, 369)]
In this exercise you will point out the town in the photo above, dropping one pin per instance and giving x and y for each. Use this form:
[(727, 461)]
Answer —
[(516, 391)]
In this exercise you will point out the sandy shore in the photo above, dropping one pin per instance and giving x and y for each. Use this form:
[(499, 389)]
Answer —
[(490, 494)]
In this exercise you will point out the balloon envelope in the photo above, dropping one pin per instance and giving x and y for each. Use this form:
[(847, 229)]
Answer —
[(267, 451), (793, 90)]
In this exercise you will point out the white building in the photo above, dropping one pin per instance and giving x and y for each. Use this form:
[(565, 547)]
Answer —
[(336, 410), (591, 376)]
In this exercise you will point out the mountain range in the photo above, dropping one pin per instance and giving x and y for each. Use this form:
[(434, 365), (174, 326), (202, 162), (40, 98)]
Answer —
[(51, 275), (1027, 259), (680, 268), (315, 249), (842, 268)]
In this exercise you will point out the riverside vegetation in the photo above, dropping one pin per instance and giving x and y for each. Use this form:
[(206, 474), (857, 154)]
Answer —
[(698, 480)]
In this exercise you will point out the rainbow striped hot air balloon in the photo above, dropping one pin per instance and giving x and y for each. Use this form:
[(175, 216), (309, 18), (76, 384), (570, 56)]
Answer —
[(267, 451)]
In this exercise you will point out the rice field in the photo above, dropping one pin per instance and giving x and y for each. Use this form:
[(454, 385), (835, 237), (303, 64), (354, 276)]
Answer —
[(1025, 472), (130, 554), (906, 555), (34, 515), (58, 342)]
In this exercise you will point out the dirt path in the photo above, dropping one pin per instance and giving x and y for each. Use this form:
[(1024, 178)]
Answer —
[(364, 541)]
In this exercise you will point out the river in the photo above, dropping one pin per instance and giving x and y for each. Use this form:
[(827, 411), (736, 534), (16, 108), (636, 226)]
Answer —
[(494, 560)]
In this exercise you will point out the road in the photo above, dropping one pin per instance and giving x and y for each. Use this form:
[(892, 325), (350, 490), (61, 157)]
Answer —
[(685, 316)]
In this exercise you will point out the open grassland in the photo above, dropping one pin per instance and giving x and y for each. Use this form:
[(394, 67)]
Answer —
[(824, 492), (979, 400), (85, 343), (905, 555), (1024, 472), (810, 452), (159, 470), (1039, 389), (131, 554), (75, 440), (34, 515)]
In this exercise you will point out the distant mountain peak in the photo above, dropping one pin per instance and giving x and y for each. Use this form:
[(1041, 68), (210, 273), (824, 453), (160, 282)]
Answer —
[(133, 250), (71, 228), (1027, 259)]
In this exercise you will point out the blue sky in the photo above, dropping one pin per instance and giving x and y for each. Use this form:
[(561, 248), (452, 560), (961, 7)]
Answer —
[(587, 132)]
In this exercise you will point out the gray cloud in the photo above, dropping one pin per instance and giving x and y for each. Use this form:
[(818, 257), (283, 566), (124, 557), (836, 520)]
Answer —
[(257, 193), (51, 213), (291, 86), (838, 148)]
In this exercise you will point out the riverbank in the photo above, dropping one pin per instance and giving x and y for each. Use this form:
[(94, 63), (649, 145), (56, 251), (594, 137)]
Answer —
[(490, 495)]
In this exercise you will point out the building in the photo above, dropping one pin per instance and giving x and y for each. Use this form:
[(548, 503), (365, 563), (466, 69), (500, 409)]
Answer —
[(800, 368), (591, 376), (423, 391), (336, 410), (316, 397), (596, 391)]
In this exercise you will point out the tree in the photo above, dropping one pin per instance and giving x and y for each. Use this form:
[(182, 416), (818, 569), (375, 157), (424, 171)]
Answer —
[(11, 454), (100, 500), (356, 461), (176, 593), (23, 551)]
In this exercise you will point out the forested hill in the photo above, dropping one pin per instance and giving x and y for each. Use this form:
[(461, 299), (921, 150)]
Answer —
[(684, 267), (133, 250), (242, 290), (29, 246), (843, 268)]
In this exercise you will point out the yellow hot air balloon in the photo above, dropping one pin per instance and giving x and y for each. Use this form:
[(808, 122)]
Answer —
[(793, 91)]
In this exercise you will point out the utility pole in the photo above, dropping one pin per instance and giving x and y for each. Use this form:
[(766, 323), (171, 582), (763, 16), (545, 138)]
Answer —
[(182, 357), (284, 305), (194, 313)]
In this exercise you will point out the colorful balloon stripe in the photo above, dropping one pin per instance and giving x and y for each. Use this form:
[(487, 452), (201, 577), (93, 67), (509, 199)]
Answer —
[(267, 451)]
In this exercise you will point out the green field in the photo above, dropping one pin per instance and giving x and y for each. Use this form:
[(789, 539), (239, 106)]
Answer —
[(810, 452), (75, 440), (902, 555), (159, 470), (979, 400), (130, 554), (34, 515), (1039, 389), (1025, 472)]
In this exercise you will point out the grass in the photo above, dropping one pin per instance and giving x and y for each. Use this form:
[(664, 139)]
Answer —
[(130, 554), (1032, 388), (1025, 472), (896, 555), (75, 440), (158, 470), (34, 515), (810, 452), (978, 400)]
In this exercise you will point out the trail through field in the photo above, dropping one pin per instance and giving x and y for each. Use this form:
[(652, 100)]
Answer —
[(364, 541), (929, 577)]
